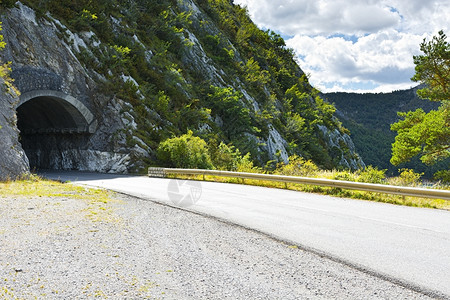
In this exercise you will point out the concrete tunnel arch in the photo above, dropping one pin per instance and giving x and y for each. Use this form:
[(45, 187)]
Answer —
[(55, 110), (54, 128)]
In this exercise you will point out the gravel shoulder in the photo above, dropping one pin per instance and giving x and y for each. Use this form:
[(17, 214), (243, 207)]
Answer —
[(60, 248)]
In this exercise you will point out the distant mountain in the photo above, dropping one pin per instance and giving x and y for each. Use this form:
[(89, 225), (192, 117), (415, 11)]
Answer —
[(369, 116)]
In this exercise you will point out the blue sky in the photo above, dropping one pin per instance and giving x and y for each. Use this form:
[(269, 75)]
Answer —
[(354, 45)]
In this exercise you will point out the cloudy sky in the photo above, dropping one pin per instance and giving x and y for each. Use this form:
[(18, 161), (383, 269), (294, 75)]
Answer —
[(354, 45)]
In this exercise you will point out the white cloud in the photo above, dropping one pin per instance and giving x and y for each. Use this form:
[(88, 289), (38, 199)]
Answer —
[(383, 58), (354, 44), (322, 16)]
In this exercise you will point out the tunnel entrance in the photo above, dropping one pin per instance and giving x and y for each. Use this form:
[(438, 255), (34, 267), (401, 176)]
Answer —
[(54, 129)]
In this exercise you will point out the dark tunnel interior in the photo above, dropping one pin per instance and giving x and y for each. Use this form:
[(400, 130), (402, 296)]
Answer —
[(52, 132)]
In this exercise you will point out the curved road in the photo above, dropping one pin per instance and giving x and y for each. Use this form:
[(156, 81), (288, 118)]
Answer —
[(406, 245)]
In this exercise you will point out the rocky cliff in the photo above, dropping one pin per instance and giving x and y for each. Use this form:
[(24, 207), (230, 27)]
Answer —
[(42, 61), (104, 83), (13, 160)]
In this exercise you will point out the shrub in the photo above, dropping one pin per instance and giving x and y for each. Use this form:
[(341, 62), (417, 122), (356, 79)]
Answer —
[(224, 156), (7, 3), (229, 158), (226, 103), (217, 49), (344, 175), (372, 175), (161, 103), (297, 166), (409, 177), (186, 151), (254, 74), (245, 164), (84, 20), (443, 175)]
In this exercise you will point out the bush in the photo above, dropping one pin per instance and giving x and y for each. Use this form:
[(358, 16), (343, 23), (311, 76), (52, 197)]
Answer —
[(224, 156), (443, 176), (297, 166), (229, 158), (344, 175), (226, 103), (186, 151), (245, 164), (7, 3), (372, 175), (409, 177)]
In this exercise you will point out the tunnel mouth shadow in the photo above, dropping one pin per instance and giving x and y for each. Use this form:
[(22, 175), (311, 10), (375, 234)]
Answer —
[(53, 131)]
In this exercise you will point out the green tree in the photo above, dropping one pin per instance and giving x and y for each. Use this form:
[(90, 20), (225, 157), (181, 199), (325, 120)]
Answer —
[(186, 151), (433, 68), (7, 3), (227, 103), (420, 133), (254, 74)]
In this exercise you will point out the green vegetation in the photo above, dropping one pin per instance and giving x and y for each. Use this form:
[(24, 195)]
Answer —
[(5, 69), (443, 175), (409, 178), (425, 134), (226, 104), (433, 68), (98, 202), (2, 43), (368, 117), (372, 175), (145, 51), (297, 166), (229, 158), (300, 167), (186, 151), (422, 125), (34, 186), (420, 133)]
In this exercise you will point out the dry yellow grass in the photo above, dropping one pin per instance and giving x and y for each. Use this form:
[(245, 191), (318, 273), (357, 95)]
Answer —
[(34, 186), (98, 201)]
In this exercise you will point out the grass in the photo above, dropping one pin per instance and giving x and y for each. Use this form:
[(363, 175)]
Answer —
[(337, 192), (34, 186), (98, 201)]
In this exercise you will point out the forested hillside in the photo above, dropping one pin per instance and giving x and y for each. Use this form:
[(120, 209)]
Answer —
[(201, 68), (369, 117)]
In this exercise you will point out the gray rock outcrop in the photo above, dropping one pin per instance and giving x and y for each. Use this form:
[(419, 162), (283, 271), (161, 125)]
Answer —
[(13, 161)]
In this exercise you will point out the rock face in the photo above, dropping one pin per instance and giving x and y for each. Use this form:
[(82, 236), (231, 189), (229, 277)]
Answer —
[(44, 62), (344, 148), (69, 117), (13, 162)]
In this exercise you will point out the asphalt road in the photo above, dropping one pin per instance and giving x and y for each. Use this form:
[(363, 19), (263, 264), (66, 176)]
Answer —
[(406, 245)]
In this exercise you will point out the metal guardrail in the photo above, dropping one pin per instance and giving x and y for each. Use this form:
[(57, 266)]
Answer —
[(360, 186)]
